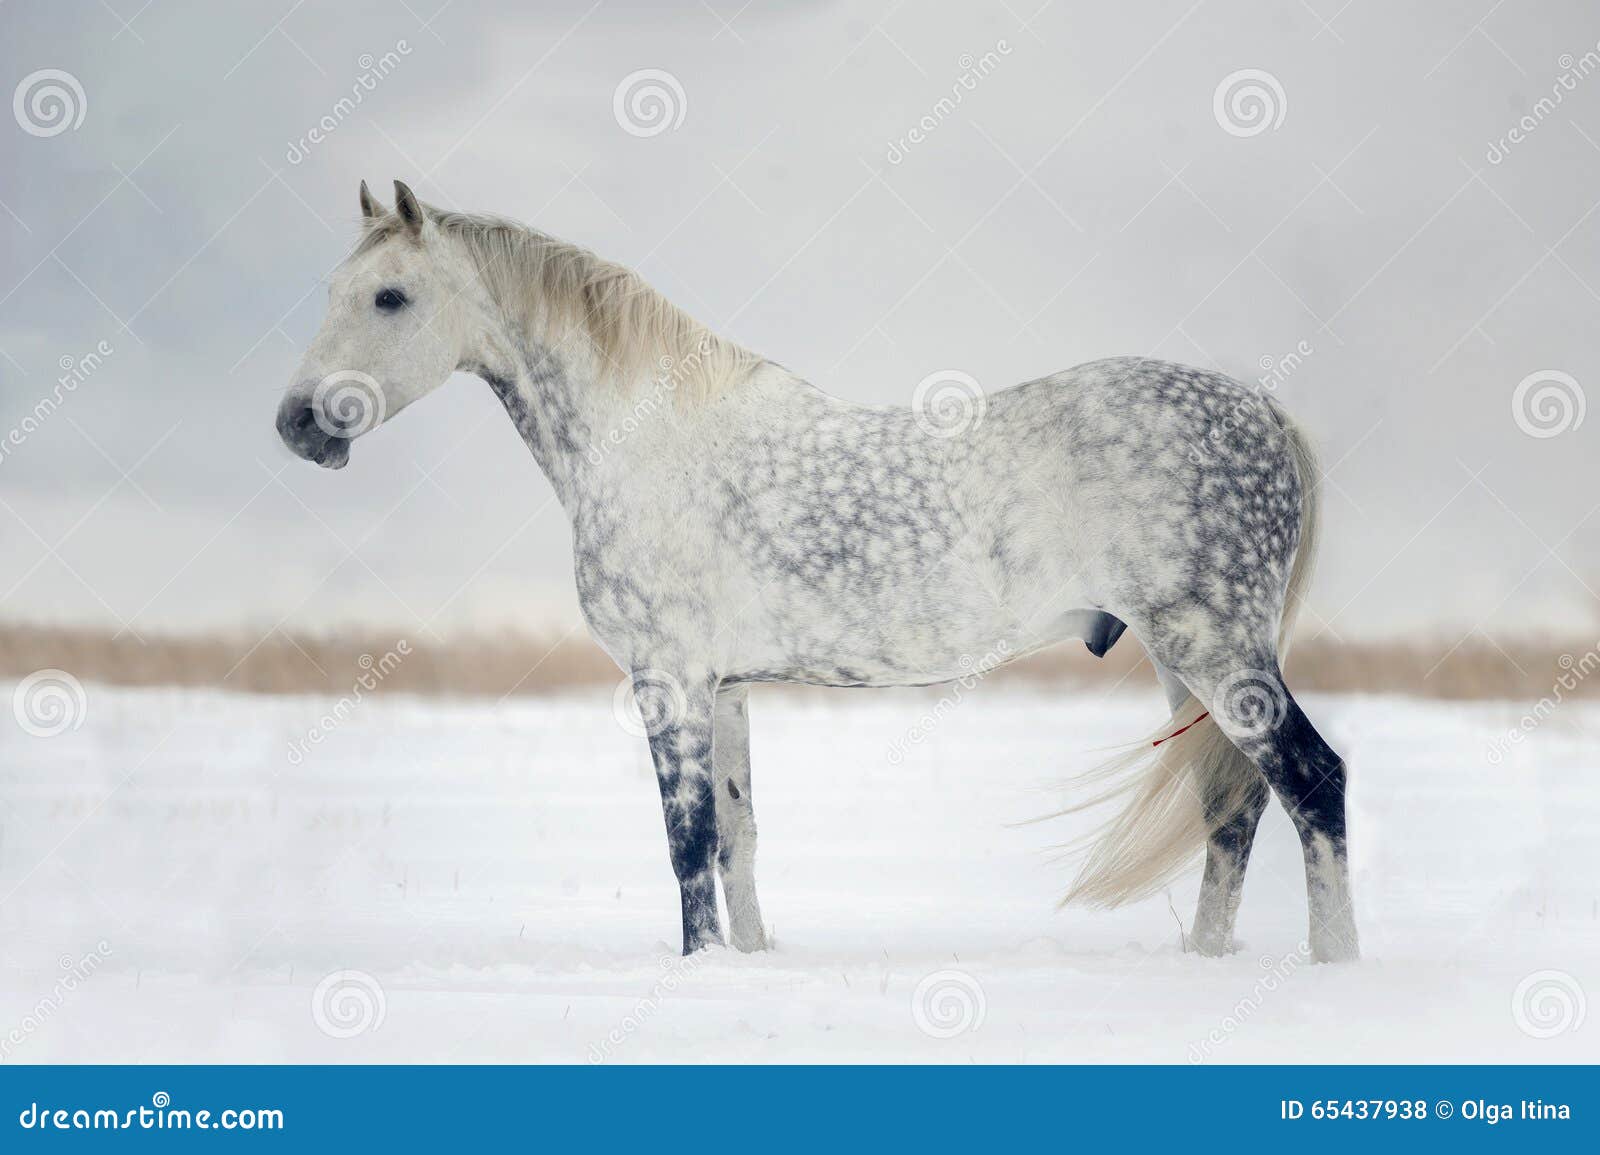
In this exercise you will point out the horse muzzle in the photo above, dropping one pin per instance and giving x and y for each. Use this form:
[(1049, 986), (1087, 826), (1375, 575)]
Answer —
[(310, 435)]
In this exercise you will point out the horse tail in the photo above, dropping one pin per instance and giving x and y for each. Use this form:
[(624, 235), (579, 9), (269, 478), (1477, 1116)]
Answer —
[(1305, 554), (1184, 782)]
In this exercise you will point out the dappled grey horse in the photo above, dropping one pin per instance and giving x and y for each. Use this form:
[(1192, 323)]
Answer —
[(732, 524)]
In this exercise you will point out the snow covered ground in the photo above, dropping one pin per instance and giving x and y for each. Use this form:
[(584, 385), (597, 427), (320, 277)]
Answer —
[(496, 878)]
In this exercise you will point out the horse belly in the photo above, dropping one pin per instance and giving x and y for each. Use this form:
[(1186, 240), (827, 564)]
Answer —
[(894, 639)]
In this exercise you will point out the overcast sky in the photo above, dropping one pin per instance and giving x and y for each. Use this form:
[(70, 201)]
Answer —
[(1086, 197)]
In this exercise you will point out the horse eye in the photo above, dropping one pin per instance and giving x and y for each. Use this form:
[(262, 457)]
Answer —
[(389, 300)]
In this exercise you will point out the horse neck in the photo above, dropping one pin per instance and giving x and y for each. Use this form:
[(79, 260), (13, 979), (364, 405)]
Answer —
[(580, 425), (576, 421), (551, 398)]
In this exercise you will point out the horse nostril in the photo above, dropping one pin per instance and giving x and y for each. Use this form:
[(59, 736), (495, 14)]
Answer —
[(301, 429)]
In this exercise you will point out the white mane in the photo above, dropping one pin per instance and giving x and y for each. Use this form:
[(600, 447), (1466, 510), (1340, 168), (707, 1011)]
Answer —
[(547, 286)]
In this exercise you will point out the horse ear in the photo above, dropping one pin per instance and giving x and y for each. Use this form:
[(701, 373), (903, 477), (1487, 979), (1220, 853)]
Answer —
[(408, 207), (370, 207)]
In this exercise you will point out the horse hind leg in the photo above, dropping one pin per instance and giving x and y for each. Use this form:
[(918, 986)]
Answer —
[(1232, 814), (1233, 797), (1255, 710)]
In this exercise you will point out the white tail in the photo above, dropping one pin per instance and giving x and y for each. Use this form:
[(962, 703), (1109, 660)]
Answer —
[(1162, 826)]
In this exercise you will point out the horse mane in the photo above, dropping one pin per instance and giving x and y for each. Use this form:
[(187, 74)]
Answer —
[(551, 285)]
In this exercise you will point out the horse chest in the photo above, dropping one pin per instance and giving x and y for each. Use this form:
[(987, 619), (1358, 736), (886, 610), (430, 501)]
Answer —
[(639, 597)]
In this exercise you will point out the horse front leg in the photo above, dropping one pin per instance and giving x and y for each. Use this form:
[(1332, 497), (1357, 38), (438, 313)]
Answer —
[(679, 718), (736, 818)]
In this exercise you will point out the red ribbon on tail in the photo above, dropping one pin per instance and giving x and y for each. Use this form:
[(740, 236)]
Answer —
[(1175, 733)]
